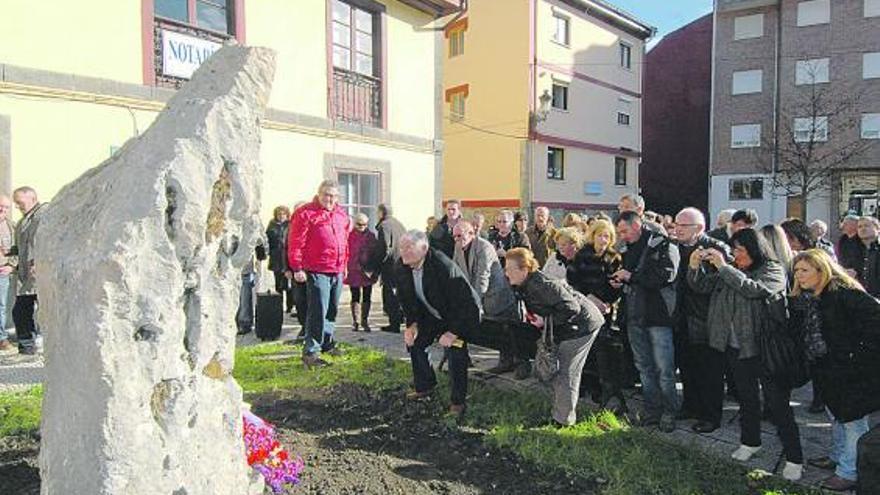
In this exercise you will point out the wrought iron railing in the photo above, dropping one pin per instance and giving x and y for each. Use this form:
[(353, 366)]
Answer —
[(356, 98)]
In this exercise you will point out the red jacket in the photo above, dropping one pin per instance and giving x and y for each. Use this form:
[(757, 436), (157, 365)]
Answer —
[(318, 239)]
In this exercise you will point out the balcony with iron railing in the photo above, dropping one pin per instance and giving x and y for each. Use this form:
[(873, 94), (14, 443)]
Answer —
[(356, 98)]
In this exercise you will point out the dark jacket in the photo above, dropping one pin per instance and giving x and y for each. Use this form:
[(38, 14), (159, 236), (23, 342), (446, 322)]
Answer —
[(447, 290), (542, 242), (589, 274), (650, 294), (848, 377), (389, 231), (574, 316), (441, 237), (720, 234), (276, 235), (693, 307), (850, 252), (871, 269), (515, 239), (483, 270), (738, 303)]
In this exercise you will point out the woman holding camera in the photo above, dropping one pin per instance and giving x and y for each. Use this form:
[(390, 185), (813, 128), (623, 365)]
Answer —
[(738, 312)]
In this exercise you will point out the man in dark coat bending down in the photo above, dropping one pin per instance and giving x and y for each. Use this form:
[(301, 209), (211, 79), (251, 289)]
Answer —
[(438, 304)]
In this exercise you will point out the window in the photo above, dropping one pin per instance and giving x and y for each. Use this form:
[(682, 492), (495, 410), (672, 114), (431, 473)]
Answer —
[(555, 163), (871, 126), (871, 65), (456, 106), (872, 8), (813, 12), (748, 26), (560, 96), (353, 40), (745, 189), (560, 29), (622, 118), (813, 71), (625, 55), (214, 15), (456, 43), (747, 81), (807, 129), (745, 136), (619, 171), (624, 110), (359, 192)]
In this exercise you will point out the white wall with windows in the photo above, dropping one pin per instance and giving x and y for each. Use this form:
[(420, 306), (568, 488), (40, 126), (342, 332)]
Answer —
[(813, 12), (748, 27), (590, 177)]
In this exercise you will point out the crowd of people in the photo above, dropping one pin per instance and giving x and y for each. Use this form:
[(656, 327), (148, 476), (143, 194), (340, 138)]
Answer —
[(742, 310)]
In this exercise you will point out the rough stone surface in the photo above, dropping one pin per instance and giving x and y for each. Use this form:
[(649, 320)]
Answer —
[(142, 258)]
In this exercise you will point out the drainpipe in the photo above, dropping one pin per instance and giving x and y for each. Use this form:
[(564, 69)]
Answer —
[(777, 89), (712, 67)]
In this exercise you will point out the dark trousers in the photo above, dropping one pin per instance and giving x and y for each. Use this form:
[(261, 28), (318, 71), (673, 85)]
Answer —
[(390, 303), (423, 374), (284, 286), (362, 294), (23, 317), (301, 302), (685, 361), (515, 339), (748, 375), (707, 390)]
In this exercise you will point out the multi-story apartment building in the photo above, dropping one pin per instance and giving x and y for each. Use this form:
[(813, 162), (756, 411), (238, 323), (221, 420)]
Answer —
[(773, 60), (356, 95), (543, 104)]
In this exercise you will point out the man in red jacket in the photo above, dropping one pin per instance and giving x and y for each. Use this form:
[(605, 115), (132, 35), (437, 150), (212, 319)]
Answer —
[(317, 252)]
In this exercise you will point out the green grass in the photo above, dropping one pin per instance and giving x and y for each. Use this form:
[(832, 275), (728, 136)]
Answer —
[(601, 446), (20, 411), (277, 367)]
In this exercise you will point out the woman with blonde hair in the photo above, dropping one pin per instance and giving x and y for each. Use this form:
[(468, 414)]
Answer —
[(569, 240), (840, 323), (590, 273), (575, 322), (781, 250)]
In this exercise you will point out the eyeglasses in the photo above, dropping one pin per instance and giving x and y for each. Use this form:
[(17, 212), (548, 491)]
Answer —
[(361, 225)]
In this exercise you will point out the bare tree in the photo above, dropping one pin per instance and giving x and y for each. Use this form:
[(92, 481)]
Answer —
[(818, 135)]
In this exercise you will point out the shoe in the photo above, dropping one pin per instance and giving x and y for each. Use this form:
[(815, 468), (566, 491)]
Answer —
[(667, 423), (838, 484), (355, 315), (523, 371), (648, 421), (365, 316), (816, 408), (416, 395), (456, 411), (27, 351), (685, 414), (792, 471), (244, 331), (335, 352), (616, 405), (391, 328), (704, 427), (312, 361), (744, 453), (5, 346), (823, 462)]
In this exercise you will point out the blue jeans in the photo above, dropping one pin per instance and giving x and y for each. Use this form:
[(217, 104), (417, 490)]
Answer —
[(654, 353), (4, 295), (322, 293), (846, 438)]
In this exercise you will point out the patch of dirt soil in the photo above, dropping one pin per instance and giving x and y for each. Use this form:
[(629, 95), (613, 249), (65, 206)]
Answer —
[(19, 465), (359, 442)]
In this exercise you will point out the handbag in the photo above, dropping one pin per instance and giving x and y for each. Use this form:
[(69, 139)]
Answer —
[(547, 354), (782, 354)]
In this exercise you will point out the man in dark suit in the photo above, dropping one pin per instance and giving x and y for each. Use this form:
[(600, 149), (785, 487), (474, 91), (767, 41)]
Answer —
[(438, 304), (389, 231)]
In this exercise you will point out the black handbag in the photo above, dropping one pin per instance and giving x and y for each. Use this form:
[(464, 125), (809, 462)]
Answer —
[(782, 351), (547, 354)]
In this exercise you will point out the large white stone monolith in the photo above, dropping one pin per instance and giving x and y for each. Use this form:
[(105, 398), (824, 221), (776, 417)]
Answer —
[(139, 266)]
